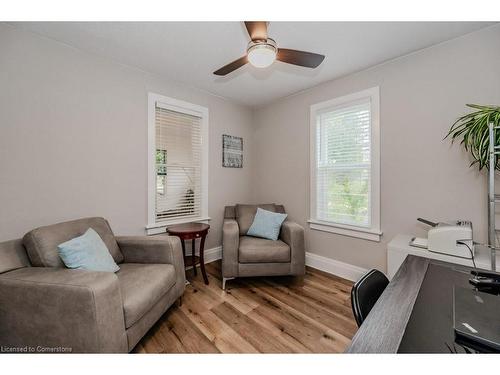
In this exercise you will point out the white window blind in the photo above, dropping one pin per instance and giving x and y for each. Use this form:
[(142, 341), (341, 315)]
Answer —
[(178, 142), (343, 164)]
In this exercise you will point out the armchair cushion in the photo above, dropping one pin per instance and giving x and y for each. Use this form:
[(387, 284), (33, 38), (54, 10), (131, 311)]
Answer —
[(245, 213), (259, 250), (41, 243), (142, 286)]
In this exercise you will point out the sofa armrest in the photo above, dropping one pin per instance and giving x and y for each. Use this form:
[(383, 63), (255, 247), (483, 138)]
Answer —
[(154, 249), (149, 249), (230, 245), (293, 235), (61, 310)]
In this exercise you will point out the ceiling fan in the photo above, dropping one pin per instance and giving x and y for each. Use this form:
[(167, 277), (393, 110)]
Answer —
[(262, 51)]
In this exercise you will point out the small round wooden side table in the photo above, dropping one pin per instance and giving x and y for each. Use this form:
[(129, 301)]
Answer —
[(192, 231)]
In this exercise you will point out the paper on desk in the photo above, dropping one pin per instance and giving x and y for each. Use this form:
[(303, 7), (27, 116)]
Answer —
[(419, 242)]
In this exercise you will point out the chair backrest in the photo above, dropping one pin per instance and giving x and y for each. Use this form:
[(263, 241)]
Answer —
[(13, 255), (245, 213), (365, 293), (41, 243)]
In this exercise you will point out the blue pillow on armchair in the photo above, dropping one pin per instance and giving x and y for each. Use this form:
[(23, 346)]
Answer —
[(266, 224), (87, 252)]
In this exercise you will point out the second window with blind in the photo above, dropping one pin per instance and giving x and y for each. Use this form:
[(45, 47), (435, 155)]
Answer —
[(178, 165), (345, 165)]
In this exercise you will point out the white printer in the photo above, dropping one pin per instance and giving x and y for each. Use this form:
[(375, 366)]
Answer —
[(447, 238)]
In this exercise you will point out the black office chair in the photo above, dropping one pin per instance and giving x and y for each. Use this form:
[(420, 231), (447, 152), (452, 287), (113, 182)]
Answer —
[(365, 292)]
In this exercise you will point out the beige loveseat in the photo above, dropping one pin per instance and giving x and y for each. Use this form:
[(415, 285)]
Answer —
[(45, 306), (243, 255)]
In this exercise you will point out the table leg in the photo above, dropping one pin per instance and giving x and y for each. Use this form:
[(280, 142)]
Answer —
[(193, 256), (202, 260), (183, 248), (184, 254)]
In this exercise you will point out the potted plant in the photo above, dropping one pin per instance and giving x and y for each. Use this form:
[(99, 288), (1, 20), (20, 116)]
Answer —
[(473, 131)]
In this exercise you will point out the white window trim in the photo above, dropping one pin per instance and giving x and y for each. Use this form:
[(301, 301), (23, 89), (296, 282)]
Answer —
[(373, 233), (154, 227)]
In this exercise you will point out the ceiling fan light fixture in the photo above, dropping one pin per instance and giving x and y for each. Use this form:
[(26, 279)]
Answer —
[(263, 53)]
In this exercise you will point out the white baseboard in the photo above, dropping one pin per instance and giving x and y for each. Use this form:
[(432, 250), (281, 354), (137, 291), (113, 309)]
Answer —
[(211, 255), (335, 267)]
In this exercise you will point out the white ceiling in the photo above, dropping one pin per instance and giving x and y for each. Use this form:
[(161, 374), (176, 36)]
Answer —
[(188, 52)]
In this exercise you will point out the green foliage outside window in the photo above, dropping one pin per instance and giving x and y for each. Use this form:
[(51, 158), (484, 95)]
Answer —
[(161, 162), (348, 170), (348, 199)]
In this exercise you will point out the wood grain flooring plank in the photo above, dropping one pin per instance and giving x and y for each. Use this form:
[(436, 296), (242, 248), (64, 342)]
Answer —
[(317, 291), (324, 300), (189, 336), (314, 309), (168, 339), (140, 349), (301, 327), (216, 293), (219, 333), (151, 344), (266, 315), (249, 329), (279, 332), (325, 276), (334, 292)]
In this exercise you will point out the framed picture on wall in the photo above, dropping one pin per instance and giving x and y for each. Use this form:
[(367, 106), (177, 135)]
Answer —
[(232, 151)]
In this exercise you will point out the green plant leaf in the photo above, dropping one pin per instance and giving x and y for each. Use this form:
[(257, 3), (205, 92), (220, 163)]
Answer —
[(472, 129)]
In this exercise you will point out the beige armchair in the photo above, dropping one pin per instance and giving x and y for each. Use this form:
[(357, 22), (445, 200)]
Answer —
[(244, 256), (45, 305)]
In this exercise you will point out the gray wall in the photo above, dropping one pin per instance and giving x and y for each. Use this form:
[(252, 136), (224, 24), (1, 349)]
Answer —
[(421, 95), (73, 141), (73, 138)]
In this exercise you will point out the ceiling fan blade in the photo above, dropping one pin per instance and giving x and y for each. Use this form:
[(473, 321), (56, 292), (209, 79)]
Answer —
[(257, 29), (301, 58), (232, 66)]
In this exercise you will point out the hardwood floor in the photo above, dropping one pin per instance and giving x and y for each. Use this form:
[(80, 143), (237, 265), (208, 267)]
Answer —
[(256, 315)]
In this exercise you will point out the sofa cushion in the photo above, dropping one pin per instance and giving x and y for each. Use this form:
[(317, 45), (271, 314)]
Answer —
[(245, 213), (141, 286), (41, 243), (259, 250)]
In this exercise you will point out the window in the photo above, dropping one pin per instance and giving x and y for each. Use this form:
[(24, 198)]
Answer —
[(345, 165), (178, 162), (161, 171)]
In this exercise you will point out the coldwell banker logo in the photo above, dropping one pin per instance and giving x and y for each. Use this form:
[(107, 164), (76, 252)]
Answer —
[(35, 349)]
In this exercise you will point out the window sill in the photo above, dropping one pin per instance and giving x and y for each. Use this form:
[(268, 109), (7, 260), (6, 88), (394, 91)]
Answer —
[(346, 230), (161, 227)]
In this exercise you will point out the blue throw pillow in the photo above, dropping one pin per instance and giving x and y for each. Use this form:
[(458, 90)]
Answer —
[(266, 224), (87, 252)]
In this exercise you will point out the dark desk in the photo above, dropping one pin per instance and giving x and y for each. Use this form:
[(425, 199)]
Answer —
[(415, 312)]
